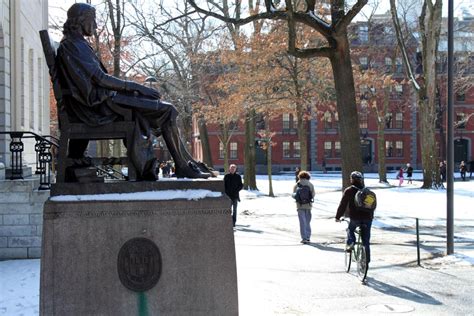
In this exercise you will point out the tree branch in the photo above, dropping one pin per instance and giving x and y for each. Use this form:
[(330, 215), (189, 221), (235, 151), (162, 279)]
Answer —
[(343, 23), (401, 44), (302, 17), (312, 52)]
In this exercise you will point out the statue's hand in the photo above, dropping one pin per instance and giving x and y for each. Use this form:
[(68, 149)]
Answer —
[(149, 92)]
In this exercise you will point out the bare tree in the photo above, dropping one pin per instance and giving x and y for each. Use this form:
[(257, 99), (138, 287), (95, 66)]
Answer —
[(426, 84), (336, 49), (180, 39)]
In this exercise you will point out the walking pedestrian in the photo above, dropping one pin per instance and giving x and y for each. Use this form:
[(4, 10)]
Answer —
[(409, 172), (297, 172), (233, 185), (303, 192), (462, 170), (400, 176), (442, 171), (471, 168)]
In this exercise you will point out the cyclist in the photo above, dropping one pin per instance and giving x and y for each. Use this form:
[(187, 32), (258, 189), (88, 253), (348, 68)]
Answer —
[(357, 218)]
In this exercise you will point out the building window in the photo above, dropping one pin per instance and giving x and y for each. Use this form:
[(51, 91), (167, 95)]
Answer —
[(460, 97), (363, 119), (31, 97), (286, 121), (296, 150), (460, 120), (259, 122), (337, 149), (40, 94), (388, 120), (327, 149), (363, 34), (364, 62), (399, 64), (286, 149), (221, 150), (327, 118), (388, 148), (398, 149), (399, 120), (388, 64), (233, 150), (22, 85)]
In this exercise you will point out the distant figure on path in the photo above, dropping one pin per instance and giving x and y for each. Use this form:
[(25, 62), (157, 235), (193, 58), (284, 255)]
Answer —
[(233, 185), (400, 176), (463, 170), (409, 172), (303, 193), (442, 171), (297, 172)]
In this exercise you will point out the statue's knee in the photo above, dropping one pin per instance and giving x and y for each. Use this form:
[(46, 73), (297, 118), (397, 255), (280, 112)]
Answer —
[(171, 109)]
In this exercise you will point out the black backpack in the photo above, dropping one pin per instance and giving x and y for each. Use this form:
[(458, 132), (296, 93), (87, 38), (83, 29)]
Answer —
[(365, 199), (303, 194)]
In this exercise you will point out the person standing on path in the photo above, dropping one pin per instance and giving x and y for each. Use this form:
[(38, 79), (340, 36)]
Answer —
[(357, 217), (303, 192), (233, 185), (400, 176), (409, 172), (297, 172), (463, 170)]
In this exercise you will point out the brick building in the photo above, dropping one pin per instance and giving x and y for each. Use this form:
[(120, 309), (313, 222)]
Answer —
[(373, 46)]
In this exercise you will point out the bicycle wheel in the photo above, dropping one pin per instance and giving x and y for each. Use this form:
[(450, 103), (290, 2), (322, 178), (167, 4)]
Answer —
[(347, 260), (362, 265)]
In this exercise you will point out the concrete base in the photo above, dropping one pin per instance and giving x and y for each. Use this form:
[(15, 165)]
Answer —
[(82, 240), (2, 171), (26, 172)]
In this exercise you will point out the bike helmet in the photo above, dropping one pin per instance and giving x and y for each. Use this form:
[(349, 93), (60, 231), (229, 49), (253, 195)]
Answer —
[(356, 175)]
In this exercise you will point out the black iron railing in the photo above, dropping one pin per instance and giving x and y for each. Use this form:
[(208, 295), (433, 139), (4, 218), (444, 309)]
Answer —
[(44, 157)]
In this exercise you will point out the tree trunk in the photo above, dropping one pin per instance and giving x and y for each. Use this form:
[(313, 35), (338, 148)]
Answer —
[(225, 139), (382, 169), (269, 168), (346, 107), (430, 25), (206, 148), (250, 182), (302, 136), (427, 130)]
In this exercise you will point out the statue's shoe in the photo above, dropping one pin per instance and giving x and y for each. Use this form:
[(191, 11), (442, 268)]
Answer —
[(191, 173)]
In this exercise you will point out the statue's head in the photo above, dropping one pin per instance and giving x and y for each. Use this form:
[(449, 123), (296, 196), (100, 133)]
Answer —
[(80, 19)]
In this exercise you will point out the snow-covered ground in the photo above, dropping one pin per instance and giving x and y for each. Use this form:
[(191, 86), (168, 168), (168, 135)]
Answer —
[(272, 221)]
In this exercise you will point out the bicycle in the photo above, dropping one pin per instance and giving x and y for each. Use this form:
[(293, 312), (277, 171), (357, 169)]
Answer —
[(357, 254)]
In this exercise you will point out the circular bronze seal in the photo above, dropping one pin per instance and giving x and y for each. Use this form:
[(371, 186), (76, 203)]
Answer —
[(139, 264)]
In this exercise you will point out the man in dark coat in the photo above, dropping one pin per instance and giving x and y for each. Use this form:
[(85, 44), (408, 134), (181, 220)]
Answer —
[(233, 185), (357, 218), (92, 91)]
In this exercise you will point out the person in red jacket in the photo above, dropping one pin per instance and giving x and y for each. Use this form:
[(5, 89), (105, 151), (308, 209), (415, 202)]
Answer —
[(357, 217)]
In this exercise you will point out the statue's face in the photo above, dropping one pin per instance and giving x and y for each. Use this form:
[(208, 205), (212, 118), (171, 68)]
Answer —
[(89, 25)]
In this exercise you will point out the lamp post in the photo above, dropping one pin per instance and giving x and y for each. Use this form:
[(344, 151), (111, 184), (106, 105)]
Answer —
[(450, 144), (151, 80)]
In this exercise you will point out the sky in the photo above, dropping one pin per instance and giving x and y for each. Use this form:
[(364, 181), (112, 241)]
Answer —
[(264, 218)]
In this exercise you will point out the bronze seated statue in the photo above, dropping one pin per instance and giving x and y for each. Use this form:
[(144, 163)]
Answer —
[(90, 96)]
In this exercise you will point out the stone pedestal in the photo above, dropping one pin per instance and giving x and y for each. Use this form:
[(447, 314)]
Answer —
[(186, 266)]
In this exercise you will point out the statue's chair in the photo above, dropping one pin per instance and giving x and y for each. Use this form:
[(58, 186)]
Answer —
[(122, 129)]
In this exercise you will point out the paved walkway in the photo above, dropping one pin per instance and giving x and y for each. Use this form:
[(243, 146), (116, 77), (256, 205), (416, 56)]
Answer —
[(279, 276)]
